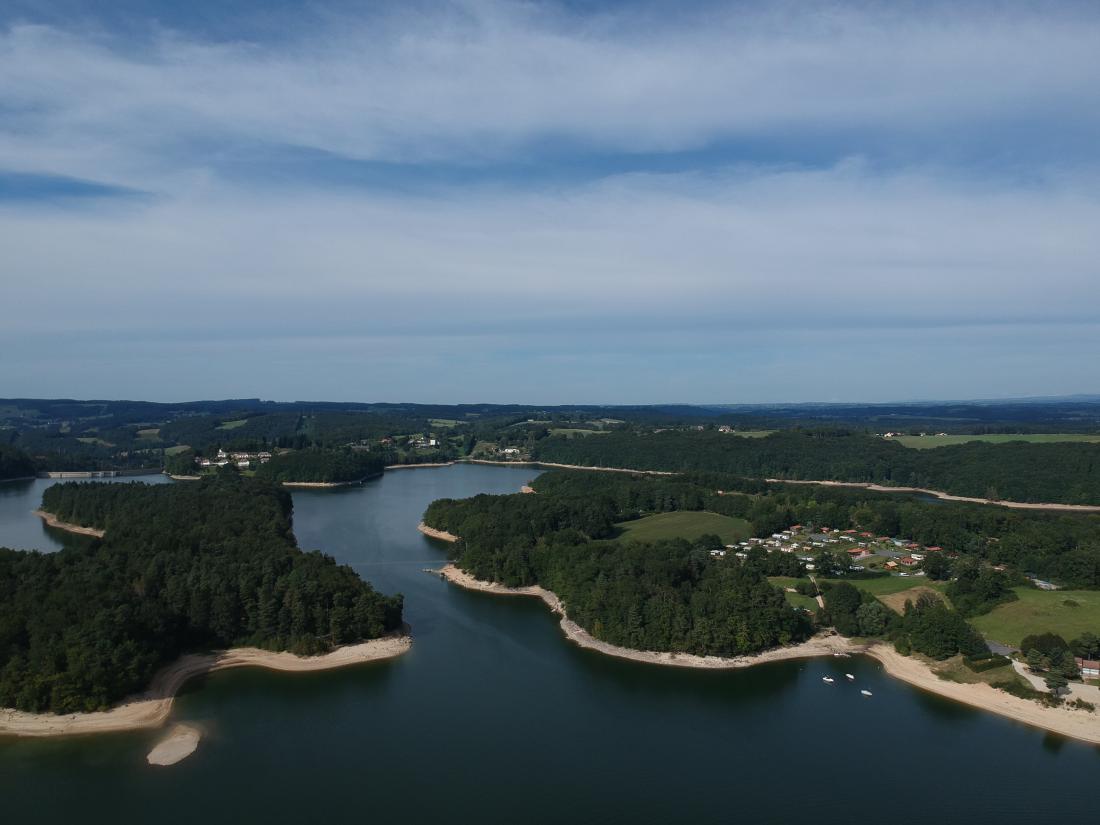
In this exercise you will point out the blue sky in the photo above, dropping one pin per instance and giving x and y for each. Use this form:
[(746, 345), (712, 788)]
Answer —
[(550, 203)]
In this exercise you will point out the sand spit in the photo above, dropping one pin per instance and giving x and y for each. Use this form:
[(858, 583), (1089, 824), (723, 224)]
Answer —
[(151, 709), (881, 488), (1076, 724), (53, 521), (431, 532), (181, 742)]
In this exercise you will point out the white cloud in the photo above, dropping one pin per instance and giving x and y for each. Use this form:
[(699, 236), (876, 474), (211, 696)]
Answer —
[(484, 81)]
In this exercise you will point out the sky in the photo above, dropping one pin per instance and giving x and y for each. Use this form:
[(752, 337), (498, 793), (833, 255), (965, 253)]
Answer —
[(549, 203)]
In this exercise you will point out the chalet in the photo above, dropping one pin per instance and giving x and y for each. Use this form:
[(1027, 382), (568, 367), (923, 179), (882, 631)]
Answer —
[(891, 564), (1090, 668), (908, 561), (934, 549), (857, 553)]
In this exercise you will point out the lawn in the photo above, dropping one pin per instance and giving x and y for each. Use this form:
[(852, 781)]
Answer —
[(1039, 611), (927, 442), (794, 599), (685, 525)]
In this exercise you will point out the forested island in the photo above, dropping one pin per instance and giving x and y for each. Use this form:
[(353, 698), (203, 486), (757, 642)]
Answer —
[(1066, 473), (182, 568)]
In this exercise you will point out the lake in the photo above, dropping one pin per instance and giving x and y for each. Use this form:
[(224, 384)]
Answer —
[(494, 717)]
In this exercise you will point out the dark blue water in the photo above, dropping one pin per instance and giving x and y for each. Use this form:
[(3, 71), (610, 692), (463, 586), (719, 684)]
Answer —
[(494, 717)]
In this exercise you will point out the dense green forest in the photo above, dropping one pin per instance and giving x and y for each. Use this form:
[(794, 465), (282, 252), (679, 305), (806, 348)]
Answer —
[(14, 463), (183, 567), (1067, 473), (669, 595), (321, 466)]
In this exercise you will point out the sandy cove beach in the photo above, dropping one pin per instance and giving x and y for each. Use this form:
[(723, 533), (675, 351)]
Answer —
[(53, 521), (1076, 724), (882, 488), (151, 709)]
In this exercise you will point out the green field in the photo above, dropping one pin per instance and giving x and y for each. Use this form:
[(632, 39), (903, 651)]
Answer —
[(442, 422), (752, 433), (1039, 611), (685, 525), (572, 432), (927, 442), (149, 434), (794, 599), (179, 448), (886, 585), (232, 425)]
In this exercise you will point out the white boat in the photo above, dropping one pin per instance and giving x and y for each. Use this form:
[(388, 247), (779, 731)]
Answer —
[(866, 693), (850, 677), (828, 679)]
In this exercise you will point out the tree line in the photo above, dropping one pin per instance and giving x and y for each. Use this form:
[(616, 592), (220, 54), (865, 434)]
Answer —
[(1055, 472)]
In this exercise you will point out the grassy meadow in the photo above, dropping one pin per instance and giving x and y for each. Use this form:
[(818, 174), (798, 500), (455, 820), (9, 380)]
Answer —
[(685, 525), (1068, 613)]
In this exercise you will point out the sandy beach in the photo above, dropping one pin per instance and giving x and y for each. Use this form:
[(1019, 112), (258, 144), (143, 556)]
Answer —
[(431, 532), (53, 521), (1076, 724), (151, 709)]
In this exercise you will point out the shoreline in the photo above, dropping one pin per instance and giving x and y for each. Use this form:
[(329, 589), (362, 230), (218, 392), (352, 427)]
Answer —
[(152, 708), (1081, 725), (432, 533), (882, 488), (414, 466), (53, 521), (327, 484)]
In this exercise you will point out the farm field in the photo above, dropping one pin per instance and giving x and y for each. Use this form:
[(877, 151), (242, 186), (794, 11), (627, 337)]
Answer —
[(232, 425), (927, 442), (573, 432), (1039, 611), (685, 525)]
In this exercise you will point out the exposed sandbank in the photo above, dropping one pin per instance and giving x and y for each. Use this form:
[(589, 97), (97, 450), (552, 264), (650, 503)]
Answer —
[(527, 488), (151, 709), (1076, 724), (181, 742), (431, 532), (53, 521)]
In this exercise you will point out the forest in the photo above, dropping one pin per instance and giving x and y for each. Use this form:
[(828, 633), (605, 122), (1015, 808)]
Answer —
[(182, 568), (14, 463), (1054, 472), (321, 466), (668, 595)]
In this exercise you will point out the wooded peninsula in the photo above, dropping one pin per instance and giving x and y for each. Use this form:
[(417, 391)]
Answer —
[(182, 568)]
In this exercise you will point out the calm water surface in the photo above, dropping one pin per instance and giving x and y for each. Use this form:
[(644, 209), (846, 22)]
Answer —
[(494, 718)]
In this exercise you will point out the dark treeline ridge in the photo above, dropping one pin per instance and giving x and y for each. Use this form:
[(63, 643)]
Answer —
[(1066, 473), (669, 595), (14, 463), (182, 568), (321, 466), (1060, 546)]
